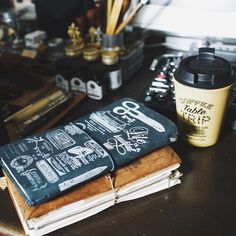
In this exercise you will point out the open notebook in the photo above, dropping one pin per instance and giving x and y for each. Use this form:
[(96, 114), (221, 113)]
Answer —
[(48, 164)]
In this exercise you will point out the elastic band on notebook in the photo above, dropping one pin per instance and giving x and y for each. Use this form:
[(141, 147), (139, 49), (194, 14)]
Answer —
[(115, 190)]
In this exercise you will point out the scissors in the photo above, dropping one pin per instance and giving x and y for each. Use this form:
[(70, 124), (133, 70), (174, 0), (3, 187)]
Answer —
[(131, 108)]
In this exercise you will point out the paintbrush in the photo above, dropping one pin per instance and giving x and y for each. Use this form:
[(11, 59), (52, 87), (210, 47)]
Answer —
[(114, 16), (130, 16), (125, 7), (109, 7)]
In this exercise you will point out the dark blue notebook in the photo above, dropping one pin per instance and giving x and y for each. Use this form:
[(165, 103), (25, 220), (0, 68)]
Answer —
[(45, 165)]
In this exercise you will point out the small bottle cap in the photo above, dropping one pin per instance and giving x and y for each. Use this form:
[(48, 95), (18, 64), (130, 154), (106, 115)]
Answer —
[(73, 50), (91, 53), (109, 57)]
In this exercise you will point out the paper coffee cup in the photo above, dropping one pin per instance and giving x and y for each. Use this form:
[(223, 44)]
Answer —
[(200, 113), (202, 87)]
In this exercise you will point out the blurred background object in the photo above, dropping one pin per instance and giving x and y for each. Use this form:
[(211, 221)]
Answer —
[(3, 137), (54, 16)]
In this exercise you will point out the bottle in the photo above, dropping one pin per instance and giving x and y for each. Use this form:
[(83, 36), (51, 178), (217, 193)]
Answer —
[(62, 78), (113, 70), (96, 85), (78, 80)]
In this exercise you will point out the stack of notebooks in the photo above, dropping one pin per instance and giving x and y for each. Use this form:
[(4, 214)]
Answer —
[(71, 172)]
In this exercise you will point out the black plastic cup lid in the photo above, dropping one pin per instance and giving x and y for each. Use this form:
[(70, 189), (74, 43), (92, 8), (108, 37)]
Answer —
[(205, 70)]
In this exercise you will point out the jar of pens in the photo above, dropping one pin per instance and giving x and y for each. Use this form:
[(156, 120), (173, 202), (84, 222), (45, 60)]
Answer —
[(119, 14), (117, 58)]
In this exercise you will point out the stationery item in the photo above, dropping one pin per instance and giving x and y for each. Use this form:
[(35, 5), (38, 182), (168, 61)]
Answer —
[(153, 172), (114, 16), (130, 16), (29, 125), (109, 7), (78, 85), (202, 88), (113, 69), (112, 42), (125, 7), (96, 84), (126, 128), (63, 77), (34, 107), (45, 165), (131, 109), (78, 71)]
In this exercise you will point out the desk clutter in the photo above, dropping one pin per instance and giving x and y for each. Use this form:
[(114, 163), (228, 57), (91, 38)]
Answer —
[(98, 65), (117, 54), (92, 64), (75, 63), (96, 73), (74, 171), (160, 94)]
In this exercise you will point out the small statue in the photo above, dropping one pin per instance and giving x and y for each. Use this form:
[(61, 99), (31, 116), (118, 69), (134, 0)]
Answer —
[(75, 48), (92, 34), (94, 37)]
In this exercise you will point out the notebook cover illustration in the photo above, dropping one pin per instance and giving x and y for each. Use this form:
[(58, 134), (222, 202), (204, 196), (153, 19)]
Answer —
[(150, 163), (128, 129), (45, 165)]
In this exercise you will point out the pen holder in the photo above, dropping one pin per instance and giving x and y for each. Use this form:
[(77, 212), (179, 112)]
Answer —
[(109, 42)]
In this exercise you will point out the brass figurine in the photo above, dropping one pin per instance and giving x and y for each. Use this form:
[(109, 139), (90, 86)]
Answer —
[(74, 49)]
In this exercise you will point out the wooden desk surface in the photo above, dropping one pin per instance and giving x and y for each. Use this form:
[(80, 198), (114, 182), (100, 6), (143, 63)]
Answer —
[(204, 204)]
